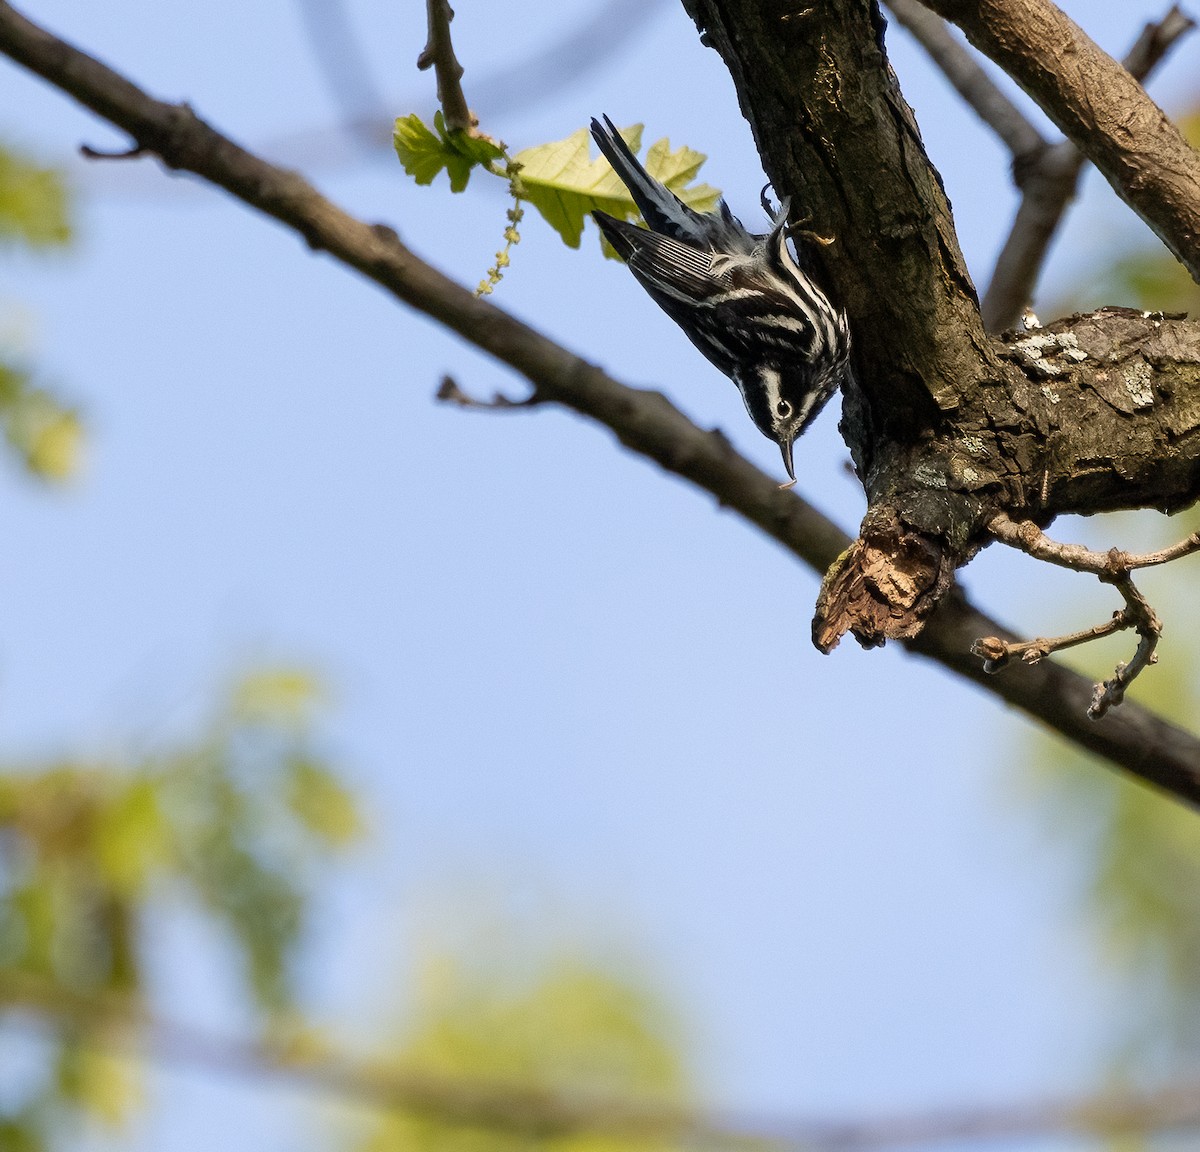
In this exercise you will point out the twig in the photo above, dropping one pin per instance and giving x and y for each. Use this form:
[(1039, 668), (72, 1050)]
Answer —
[(1029, 538), (1113, 567), (90, 153), (1048, 180), (969, 80), (450, 393), (118, 1023), (439, 54), (1099, 106), (996, 653), (1139, 615), (645, 422)]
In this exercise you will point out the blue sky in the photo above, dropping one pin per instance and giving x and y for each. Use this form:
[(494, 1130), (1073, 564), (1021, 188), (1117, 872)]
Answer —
[(568, 686)]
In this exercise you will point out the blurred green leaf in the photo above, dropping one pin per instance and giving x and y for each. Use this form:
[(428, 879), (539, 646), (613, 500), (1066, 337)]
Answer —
[(46, 435), (287, 696), (563, 1026), (320, 802), (34, 207)]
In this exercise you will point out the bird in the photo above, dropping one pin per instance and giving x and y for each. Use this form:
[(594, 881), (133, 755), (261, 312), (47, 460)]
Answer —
[(742, 299)]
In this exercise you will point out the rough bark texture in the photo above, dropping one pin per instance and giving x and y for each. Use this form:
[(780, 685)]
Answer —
[(946, 425)]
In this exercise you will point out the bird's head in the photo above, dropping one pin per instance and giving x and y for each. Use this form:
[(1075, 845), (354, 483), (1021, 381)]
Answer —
[(783, 401)]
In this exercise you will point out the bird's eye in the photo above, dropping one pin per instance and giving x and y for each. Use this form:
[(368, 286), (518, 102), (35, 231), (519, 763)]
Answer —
[(783, 410)]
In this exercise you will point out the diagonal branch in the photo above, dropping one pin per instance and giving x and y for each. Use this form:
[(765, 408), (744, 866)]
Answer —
[(1098, 105), (346, 69), (970, 81), (1048, 181), (1046, 174), (646, 422)]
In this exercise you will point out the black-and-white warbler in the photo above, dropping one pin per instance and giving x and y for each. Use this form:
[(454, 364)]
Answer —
[(740, 298)]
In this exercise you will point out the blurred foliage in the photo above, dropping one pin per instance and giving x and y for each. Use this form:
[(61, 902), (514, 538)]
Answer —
[(561, 1025), (1140, 885), (44, 433), (46, 436), (34, 207), (232, 823)]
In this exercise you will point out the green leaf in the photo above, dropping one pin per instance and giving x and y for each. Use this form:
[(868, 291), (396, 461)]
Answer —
[(565, 184), (557, 1024), (33, 203), (321, 803), (424, 152), (45, 433)]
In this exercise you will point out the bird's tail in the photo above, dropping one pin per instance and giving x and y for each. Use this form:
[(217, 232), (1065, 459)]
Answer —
[(615, 233), (659, 206)]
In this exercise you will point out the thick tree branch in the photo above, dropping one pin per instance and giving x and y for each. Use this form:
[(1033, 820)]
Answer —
[(1046, 174), (943, 431), (1097, 105), (646, 422), (970, 81), (1048, 180)]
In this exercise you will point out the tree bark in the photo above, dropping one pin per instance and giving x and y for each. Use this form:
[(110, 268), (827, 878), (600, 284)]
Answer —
[(947, 426)]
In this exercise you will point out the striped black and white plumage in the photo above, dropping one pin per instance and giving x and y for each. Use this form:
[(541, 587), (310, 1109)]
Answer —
[(740, 298)]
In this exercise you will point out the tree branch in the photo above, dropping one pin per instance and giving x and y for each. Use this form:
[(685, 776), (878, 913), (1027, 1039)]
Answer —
[(1046, 174), (1095, 102), (1113, 567), (970, 81), (1048, 181), (645, 422), (439, 54), (115, 1023)]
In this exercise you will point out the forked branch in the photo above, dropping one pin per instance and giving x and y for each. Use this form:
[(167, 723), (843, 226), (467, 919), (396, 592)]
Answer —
[(1112, 567), (1098, 105), (1047, 174)]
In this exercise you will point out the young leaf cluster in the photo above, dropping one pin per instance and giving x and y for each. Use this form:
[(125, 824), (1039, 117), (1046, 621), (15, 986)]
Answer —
[(559, 179)]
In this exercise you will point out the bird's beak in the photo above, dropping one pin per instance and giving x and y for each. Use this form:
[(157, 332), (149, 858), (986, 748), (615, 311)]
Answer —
[(785, 446)]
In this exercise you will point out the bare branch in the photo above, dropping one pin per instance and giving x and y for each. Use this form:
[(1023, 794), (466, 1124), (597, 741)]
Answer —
[(1047, 188), (1098, 105), (449, 392), (1029, 538), (1135, 739), (116, 1022), (970, 81), (995, 653), (90, 153), (439, 54), (1139, 615), (1113, 567), (1048, 181)]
